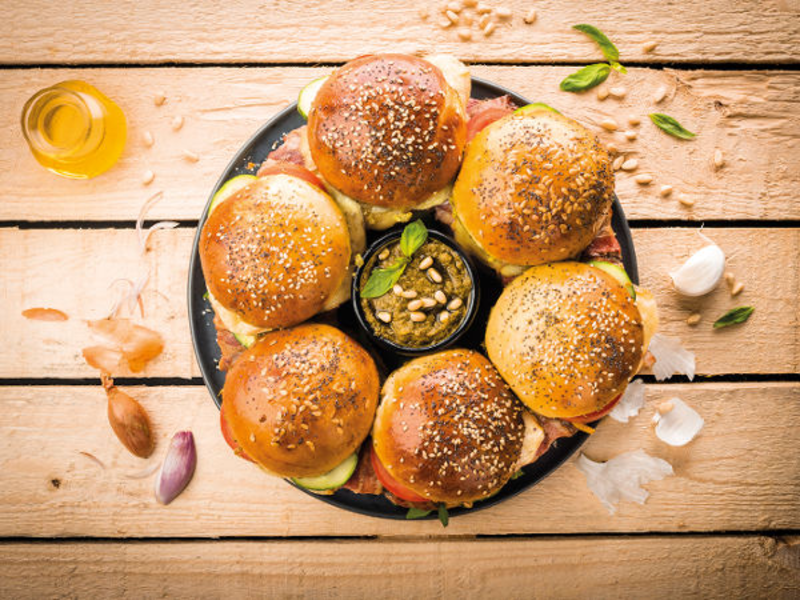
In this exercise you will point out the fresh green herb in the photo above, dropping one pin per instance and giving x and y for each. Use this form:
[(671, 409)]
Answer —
[(737, 315), (205, 296), (535, 105), (382, 280), (517, 475), (414, 235), (444, 517), (417, 513), (609, 49), (618, 67), (586, 78), (671, 126)]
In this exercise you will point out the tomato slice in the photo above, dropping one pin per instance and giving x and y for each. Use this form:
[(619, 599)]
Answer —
[(484, 118), (293, 170), (595, 416), (390, 484), (227, 433)]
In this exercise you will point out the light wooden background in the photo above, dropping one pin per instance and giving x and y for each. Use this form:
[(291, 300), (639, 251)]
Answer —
[(726, 525)]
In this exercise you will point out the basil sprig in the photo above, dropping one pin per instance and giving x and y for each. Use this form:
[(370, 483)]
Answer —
[(586, 78), (382, 280), (444, 517), (671, 126), (734, 316), (417, 513), (593, 75)]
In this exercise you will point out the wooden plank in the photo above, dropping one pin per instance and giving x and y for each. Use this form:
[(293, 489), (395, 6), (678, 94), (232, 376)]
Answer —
[(71, 270), (752, 117), (741, 473), (603, 567), (249, 31)]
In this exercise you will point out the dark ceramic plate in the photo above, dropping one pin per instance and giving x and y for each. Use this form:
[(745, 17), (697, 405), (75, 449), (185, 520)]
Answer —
[(204, 334)]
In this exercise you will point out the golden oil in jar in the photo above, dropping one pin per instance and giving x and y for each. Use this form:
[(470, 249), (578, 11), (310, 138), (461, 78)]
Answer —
[(74, 130)]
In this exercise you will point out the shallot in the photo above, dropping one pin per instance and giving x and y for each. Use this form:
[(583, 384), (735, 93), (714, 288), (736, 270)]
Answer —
[(178, 467), (129, 420)]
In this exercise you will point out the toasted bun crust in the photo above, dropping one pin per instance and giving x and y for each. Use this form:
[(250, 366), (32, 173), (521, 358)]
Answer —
[(275, 251), (387, 130), (301, 400), (533, 188), (448, 428), (566, 337)]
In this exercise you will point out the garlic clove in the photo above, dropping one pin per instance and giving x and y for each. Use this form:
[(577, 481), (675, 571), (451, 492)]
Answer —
[(701, 273), (178, 467), (679, 425), (630, 404)]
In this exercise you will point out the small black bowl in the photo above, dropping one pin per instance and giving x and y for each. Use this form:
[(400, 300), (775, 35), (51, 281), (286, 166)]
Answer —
[(472, 302)]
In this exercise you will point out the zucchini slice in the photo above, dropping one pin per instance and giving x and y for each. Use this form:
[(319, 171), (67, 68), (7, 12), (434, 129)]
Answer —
[(335, 478), (307, 95), (617, 273), (229, 188), (246, 340), (533, 107)]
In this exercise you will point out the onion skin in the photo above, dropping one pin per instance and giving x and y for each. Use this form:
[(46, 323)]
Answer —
[(178, 467), (129, 420)]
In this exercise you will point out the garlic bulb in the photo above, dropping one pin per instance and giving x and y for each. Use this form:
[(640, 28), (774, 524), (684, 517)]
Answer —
[(679, 425), (701, 273)]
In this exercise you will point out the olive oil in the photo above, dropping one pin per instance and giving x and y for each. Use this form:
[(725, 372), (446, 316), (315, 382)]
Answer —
[(74, 130)]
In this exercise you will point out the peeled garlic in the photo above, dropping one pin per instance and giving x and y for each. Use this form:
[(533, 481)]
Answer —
[(678, 426), (701, 273), (630, 404)]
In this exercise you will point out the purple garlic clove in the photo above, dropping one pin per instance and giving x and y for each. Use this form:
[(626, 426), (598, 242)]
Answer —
[(178, 467)]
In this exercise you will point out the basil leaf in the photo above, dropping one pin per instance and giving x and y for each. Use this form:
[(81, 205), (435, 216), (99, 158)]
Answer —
[(517, 475), (205, 296), (444, 517), (414, 235), (381, 280), (734, 316), (586, 78), (417, 513), (618, 67), (609, 49), (671, 126)]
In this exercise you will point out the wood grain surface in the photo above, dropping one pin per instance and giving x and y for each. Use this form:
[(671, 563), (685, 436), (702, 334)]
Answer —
[(596, 567), (71, 270), (752, 117), (337, 30), (741, 473)]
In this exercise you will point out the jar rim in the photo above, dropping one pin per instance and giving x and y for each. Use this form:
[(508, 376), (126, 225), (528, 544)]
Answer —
[(36, 138)]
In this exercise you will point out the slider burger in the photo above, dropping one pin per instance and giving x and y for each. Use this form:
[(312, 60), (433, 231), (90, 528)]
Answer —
[(534, 187), (568, 337), (299, 403), (447, 431), (387, 132), (275, 253)]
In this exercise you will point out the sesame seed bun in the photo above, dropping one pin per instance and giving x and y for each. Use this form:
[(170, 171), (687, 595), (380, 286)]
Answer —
[(533, 188), (387, 130), (275, 252), (567, 337), (448, 427), (301, 400)]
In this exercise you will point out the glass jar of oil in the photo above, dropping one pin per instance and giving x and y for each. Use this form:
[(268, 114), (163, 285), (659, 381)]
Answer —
[(74, 130)]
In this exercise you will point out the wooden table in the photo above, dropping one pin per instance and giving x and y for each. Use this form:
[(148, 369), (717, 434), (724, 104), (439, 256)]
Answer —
[(725, 525)]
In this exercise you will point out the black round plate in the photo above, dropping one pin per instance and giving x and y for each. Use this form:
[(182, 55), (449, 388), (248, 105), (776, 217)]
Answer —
[(201, 315)]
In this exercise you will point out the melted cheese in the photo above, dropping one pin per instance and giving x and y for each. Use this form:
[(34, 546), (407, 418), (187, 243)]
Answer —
[(532, 439), (233, 322), (455, 72)]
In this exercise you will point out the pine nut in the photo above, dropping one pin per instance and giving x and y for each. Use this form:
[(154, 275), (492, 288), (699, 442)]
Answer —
[(630, 164), (397, 289), (452, 16), (414, 305), (665, 407), (730, 279), (693, 319), (665, 191), (434, 275), (190, 156), (643, 179), (177, 123), (503, 12), (631, 135), (465, 34), (445, 23), (618, 163), (719, 159), (148, 177), (384, 316), (466, 19), (612, 148), (602, 93), (608, 124), (426, 263), (440, 297), (660, 94), (634, 121), (159, 98), (737, 288), (383, 255), (455, 7), (417, 317), (489, 29), (444, 316), (148, 140), (649, 46), (686, 201), (618, 92), (470, 3), (530, 18), (423, 13), (455, 304), (484, 21), (409, 294), (483, 9), (428, 302)]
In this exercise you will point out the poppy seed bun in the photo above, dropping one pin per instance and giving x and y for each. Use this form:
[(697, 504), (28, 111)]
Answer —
[(275, 252), (301, 400), (566, 337), (448, 428), (387, 130), (533, 188)]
